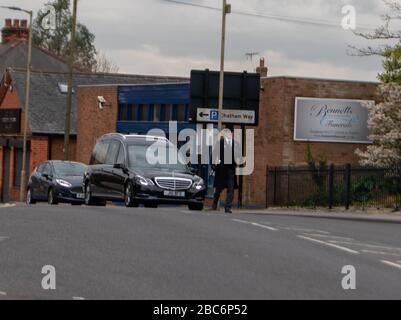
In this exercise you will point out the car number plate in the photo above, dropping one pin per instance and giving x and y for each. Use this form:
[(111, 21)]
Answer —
[(80, 196), (177, 194)]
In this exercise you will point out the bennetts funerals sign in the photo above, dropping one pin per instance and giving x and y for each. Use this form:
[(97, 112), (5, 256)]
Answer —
[(10, 121), (331, 120)]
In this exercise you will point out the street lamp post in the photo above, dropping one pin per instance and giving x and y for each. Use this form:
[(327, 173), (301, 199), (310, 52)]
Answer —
[(226, 10), (26, 108), (67, 126)]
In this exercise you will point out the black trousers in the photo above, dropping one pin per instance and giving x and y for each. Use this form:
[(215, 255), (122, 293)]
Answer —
[(230, 191)]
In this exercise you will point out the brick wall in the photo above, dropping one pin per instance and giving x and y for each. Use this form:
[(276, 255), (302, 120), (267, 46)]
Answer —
[(57, 145), (39, 151), (275, 144), (94, 122)]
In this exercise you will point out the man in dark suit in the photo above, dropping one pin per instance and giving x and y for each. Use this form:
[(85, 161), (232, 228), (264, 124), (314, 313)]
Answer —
[(225, 164)]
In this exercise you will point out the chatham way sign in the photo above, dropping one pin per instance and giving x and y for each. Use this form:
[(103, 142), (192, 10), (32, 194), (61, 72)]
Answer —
[(228, 116), (331, 120)]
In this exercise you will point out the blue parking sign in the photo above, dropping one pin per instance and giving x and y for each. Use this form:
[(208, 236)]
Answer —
[(214, 115)]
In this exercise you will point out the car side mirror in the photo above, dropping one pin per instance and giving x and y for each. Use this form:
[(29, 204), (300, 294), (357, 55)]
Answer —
[(120, 166), (46, 176)]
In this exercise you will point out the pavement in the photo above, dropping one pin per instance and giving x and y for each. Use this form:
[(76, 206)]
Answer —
[(370, 214), (172, 253)]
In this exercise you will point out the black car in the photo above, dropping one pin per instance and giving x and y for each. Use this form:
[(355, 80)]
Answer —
[(57, 181), (120, 170)]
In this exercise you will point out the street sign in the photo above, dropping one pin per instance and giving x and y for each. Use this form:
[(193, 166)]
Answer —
[(228, 116), (241, 97)]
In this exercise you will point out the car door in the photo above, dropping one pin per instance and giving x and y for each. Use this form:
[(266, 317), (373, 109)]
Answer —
[(96, 176), (48, 179), (44, 181), (107, 169), (118, 175), (36, 180)]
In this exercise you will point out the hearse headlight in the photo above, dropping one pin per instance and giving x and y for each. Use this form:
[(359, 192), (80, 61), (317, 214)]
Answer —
[(144, 181), (64, 183), (199, 185)]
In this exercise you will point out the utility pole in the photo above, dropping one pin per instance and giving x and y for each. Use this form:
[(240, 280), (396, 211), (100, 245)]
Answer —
[(226, 10), (26, 111), (67, 127)]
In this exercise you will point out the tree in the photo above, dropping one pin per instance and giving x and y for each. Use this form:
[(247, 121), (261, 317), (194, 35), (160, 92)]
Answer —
[(57, 41), (385, 126), (384, 32), (391, 65), (104, 64)]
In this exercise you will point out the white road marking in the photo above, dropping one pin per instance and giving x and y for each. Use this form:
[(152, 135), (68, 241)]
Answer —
[(368, 245), (304, 230), (263, 226), (391, 264), (328, 236), (2, 293), (330, 245), (78, 298), (4, 238), (255, 224), (382, 253)]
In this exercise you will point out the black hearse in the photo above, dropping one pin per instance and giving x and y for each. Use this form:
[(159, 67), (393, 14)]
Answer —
[(128, 168)]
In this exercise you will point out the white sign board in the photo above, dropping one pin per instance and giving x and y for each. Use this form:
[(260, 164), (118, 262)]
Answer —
[(228, 116), (331, 120)]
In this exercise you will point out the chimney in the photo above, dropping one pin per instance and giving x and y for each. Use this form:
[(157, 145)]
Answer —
[(262, 69), (14, 30)]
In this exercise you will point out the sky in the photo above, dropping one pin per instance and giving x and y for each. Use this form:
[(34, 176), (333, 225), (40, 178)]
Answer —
[(164, 38)]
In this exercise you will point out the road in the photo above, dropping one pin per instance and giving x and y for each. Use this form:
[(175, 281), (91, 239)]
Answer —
[(172, 253)]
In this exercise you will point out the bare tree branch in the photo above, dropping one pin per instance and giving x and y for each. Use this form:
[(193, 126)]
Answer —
[(381, 33)]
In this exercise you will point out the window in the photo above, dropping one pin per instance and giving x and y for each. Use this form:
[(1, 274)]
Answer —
[(47, 169), (168, 115), (17, 167), (63, 88), (156, 113), (144, 112), (112, 152), (181, 112), (99, 153), (121, 156), (123, 112), (40, 168)]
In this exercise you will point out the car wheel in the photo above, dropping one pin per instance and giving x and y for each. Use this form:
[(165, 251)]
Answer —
[(196, 206), (88, 195), (129, 196), (89, 200), (29, 197), (51, 198)]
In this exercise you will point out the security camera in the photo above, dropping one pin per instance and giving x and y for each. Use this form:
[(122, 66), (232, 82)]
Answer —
[(101, 101)]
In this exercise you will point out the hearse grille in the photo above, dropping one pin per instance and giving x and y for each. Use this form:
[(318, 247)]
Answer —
[(174, 183)]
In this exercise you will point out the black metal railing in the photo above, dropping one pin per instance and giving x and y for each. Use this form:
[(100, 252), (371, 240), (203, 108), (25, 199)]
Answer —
[(331, 186)]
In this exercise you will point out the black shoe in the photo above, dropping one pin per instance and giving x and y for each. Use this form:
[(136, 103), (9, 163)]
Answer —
[(229, 211)]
